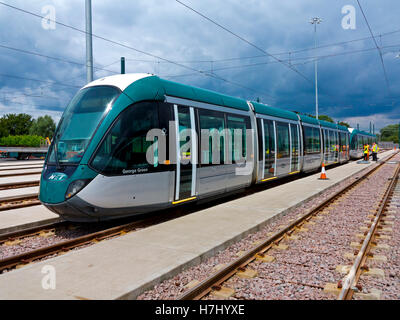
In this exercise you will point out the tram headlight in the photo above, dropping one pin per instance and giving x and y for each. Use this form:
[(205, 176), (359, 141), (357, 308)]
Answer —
[(75, 187)]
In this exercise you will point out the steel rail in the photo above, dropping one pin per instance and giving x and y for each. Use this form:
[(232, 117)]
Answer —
[(16, 202), (32, 231), (67, 245), (353, 276), (19, 174), (10, 164), (215, 280), (23, 168), (19, 185)]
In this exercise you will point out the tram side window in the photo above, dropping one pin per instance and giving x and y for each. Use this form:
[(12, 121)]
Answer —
[(282, 132), (355, 143), (326, 141), (312, 140), (269, 141), (238, 141), (342, 141), (360, 142), (260, 141), (295, 146), (123, 151), (212, 125), (295, 140)]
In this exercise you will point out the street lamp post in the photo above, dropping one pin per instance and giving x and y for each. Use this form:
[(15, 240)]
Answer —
[(89, 46), (316, 21)]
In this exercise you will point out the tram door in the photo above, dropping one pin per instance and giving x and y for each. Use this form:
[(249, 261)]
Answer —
[(295, 147), (186, 153)]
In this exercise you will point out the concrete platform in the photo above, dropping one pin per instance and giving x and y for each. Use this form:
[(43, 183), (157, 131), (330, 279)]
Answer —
[(18, 192), (22, 171), (21, 167), (124, 267), (17, 219), (30, 178), (13, 162)]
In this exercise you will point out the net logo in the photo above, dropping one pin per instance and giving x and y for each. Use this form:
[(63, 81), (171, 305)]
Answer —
[(57, 176)]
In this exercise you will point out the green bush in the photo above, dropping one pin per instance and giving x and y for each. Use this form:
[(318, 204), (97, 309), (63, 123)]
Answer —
[(22, 141)]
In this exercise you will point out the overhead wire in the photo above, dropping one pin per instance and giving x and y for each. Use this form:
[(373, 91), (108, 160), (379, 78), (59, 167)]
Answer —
[(376, 44), (50, 57), (134, 49), (244, 40), (312, 58)]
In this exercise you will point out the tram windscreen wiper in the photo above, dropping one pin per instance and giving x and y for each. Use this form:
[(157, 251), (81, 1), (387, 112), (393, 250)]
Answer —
[(58, 167)]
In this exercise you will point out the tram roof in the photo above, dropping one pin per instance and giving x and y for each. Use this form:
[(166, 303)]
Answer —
[(359, 132), (307, 119), (274, 112)]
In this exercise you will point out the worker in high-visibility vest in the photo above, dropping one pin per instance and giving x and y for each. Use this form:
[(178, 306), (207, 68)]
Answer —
[(375, 150), (366, 152)]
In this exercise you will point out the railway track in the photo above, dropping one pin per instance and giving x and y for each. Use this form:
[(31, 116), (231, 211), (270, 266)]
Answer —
[(16, 202), (18, 185), (58, 248), (378, 223), (15, 168), (105, 231), (64, 246), (19, 174), (213, 286)]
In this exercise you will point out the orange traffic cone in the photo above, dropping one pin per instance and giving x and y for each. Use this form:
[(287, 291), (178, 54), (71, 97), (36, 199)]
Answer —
[(323, 173)]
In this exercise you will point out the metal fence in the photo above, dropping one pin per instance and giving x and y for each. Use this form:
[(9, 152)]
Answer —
[(387, 145)]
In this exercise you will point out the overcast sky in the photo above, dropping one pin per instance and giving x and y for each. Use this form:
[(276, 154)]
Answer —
[(352, 82)]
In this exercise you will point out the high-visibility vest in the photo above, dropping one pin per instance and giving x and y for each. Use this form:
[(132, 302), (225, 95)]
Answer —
[(375, 148), (366, 149)]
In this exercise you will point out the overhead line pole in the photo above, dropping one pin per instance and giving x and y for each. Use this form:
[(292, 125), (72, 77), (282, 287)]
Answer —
[(316, 21), (89, 44)]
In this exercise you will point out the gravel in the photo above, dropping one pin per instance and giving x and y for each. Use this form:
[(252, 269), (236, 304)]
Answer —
[(301, 271), (390, 284)]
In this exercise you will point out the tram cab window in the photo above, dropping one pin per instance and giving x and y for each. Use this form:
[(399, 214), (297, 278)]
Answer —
[(79, 122), (312, 140), (212, 126), (123, 150)]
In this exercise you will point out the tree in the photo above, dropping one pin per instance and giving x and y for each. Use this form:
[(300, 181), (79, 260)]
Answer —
[(345, 124), (390, 133), (43, 126), (15, 124), (325, 118), (322, 117), (3, 129)]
